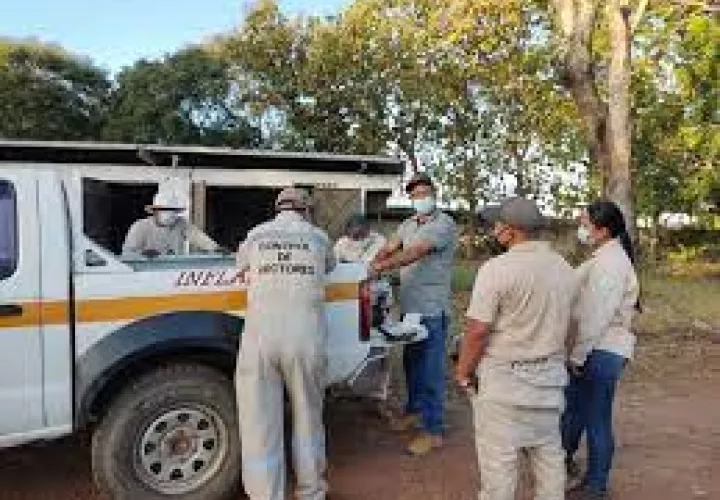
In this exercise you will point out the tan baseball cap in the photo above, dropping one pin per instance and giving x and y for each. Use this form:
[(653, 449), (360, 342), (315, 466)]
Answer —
[(293, 198)]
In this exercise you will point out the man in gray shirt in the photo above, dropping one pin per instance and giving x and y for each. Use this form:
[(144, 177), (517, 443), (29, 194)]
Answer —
[(423, 250)]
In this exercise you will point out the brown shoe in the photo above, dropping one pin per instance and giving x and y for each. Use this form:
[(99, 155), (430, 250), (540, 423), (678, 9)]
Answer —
[(407, 422), (424, 443)]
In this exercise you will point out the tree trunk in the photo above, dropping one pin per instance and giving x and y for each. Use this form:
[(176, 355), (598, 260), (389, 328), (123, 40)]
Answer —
[(655, 237), (618, 133), (469, 190), (575, 22), (522, 188), (607, 126)]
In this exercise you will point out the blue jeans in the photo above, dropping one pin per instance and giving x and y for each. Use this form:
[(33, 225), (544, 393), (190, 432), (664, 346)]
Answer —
[(589, 400), (424, 364)]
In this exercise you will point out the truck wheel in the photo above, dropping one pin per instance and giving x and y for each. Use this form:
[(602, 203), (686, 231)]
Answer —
[(170, 434)]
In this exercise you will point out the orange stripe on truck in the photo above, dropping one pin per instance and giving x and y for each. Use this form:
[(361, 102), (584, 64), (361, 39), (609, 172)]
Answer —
[(107, 310), (338, 292), (128, 308)]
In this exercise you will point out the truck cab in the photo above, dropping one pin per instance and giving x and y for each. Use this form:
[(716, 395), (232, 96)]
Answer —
[(142, 351)]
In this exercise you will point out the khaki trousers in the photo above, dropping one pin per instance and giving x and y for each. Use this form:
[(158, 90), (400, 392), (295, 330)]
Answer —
[(502, 432)]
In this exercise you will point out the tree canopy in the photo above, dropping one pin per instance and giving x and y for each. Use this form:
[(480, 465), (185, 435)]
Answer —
[(47, 93), (561, 100)]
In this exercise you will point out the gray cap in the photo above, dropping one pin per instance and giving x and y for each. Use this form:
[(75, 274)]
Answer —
[(294, 199), (417, 179), (489, 215), (516, 212)]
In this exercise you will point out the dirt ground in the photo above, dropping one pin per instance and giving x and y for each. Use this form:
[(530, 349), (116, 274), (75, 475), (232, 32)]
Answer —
[(668, 433)]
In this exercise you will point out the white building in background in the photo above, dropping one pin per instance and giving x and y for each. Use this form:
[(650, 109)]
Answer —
[(676, 220)]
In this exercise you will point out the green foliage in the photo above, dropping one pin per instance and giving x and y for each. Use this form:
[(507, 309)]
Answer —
[(677, 136), (48, 94), (686, 255), (468, 90), (182, 99), (463, 276)]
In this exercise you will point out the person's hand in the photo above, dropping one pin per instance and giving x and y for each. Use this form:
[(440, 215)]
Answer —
[(467, 382), (374, 270), (150, 253), (575, 369), (461, 377)]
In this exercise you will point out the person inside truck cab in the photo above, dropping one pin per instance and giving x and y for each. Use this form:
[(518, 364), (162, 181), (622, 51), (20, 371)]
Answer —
[(166, 232), (359, 243)]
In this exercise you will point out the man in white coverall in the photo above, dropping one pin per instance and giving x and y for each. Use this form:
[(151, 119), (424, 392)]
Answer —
[(517, 325), (166, 232), (284, 346)]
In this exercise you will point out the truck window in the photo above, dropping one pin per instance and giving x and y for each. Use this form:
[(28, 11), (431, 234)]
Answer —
[(112, 208), (8, 230), (232, 211)]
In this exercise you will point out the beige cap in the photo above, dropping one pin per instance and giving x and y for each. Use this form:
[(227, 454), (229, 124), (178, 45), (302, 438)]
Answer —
[(293, 198)]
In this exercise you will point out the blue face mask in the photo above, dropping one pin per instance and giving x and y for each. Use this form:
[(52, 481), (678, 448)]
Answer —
[(424, 206)]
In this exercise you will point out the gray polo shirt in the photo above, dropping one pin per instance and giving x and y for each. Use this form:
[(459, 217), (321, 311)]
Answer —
[(425, 284)]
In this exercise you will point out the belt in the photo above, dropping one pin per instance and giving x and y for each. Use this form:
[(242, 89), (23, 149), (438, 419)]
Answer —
[(530, 362)]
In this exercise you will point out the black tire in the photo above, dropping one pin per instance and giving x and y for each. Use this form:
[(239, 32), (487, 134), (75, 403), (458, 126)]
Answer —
[(173, 397)]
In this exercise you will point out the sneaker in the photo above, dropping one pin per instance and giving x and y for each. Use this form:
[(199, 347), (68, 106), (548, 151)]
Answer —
[(424, 443), (407, 422), (573, 474)]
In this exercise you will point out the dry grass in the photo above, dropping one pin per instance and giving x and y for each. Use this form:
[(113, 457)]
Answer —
[(678, 306), (675, 305), (678, 331)]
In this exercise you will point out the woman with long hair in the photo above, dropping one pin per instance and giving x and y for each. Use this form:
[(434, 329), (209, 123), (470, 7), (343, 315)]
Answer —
[(604, 342)]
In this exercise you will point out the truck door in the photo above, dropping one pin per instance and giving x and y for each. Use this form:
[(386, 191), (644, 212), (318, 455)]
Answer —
[(21, 364)]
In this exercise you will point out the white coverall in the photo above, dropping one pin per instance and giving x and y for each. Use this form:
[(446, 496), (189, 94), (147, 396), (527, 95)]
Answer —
[(364, 250), (526, 297), (283, 346), (146, 234)]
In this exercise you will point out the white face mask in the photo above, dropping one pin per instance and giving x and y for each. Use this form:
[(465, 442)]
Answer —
[(165, 218), (584, 236), (424, 206)]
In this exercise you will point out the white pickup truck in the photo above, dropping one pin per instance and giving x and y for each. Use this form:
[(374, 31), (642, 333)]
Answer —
[(141, 352)]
